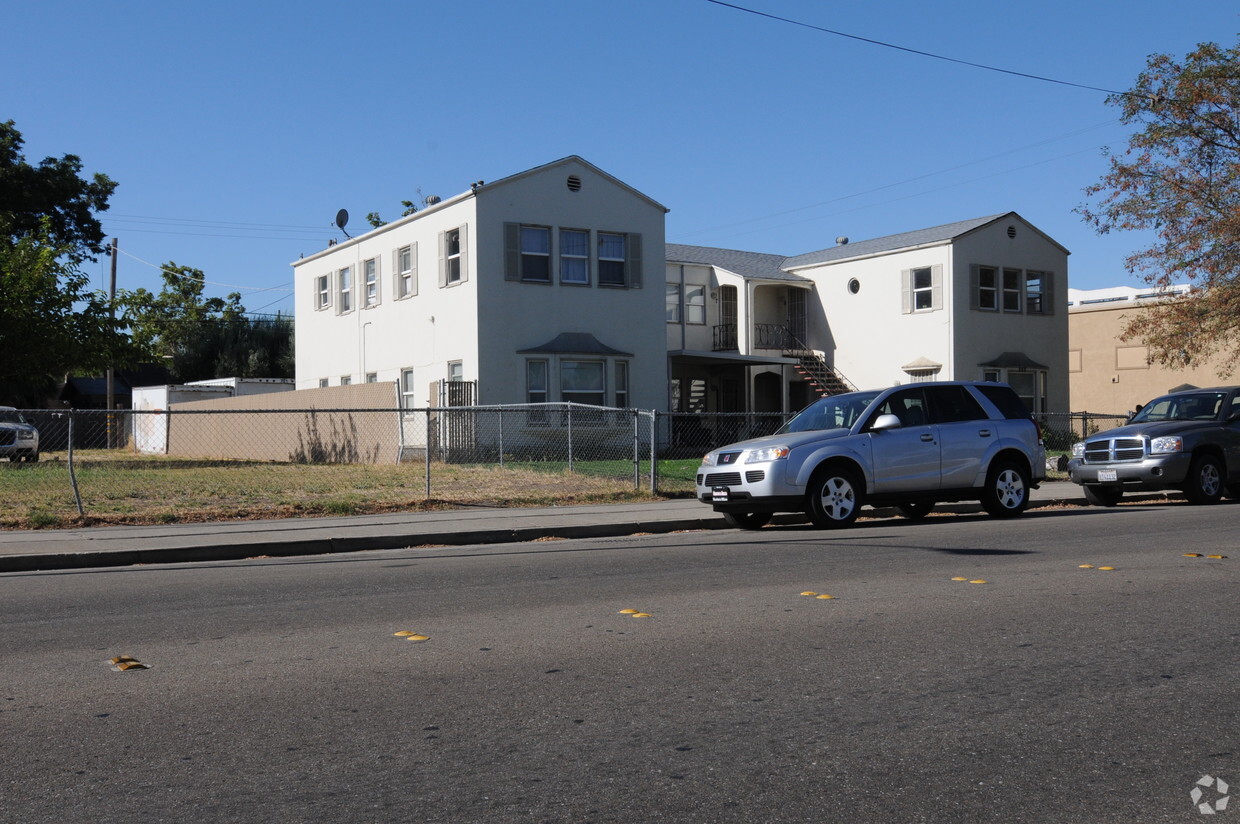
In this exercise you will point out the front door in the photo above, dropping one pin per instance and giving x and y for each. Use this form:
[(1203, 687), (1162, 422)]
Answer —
[(906, 458)]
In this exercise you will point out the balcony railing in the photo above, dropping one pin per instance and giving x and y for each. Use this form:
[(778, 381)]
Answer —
[(725, 338), (771, 336)]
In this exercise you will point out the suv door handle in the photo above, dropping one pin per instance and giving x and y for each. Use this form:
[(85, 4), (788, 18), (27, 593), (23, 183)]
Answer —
[(927, 437), (983, 433)]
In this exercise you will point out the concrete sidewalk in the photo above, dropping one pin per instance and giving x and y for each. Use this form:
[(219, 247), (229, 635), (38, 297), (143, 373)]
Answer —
[(48, 549)]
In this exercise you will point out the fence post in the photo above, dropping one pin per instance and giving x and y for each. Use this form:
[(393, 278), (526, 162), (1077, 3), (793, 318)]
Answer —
[(637, 463), (77, 496), (570, 437), (654, 463), (426, 427), (501, 437)]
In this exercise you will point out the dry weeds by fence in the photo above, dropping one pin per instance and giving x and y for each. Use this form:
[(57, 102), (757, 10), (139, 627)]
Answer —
[(152, 467)]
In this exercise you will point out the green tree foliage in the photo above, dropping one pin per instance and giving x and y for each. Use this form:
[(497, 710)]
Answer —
[(375, 221), (51, 324), (51, 202), (200, 338), (1180, 178)]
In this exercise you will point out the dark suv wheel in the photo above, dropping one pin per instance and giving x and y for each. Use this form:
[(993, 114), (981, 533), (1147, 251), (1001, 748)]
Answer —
[(747, 520), (1103, 495), (1204, 484)]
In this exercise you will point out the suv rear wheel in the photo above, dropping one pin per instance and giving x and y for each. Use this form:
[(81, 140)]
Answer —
[(1204, 484), (834, 498), (1006, 493), (915, 510)]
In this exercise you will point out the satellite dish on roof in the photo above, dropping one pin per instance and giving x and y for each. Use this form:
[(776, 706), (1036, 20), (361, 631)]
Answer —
[(342, 218)]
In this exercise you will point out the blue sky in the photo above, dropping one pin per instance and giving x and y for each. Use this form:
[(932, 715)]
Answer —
[(236, 131)]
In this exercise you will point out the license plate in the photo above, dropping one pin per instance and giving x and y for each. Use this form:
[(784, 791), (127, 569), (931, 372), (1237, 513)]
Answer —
[(719, 493), (1107, 475)]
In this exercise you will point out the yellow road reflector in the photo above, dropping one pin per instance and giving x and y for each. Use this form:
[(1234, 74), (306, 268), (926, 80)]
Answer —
[(809, 592), (1216, 556), (1086, 566), (642, 615), (825, 597), (417, 638), (121, 663), (1192, 554), (404, 633), (960, 579), (628, 612), (1108, 569), (979, 581)]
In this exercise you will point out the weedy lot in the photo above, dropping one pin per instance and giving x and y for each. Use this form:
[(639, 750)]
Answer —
[(123, 488)]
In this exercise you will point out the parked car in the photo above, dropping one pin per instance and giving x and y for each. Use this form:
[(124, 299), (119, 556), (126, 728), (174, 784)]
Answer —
[(910, 446), (18, 439), (1187, 440)]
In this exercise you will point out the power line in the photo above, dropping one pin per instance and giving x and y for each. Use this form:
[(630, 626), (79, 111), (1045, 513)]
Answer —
[(205, 281), (918, 52)]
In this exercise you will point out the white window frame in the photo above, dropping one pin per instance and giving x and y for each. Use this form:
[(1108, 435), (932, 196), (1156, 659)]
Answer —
[(599, 396), (1013, 290), (372, 377), (695, 304), (346, 380), (405, 271), (671, 311), (370, 277), (323, 383), (453, 266), (989, 292), (456, 371), (323, 292), (407, 388), (344, 289), (532, 258), (583, 260), (622, 384), (611, 259), (1036, 297)]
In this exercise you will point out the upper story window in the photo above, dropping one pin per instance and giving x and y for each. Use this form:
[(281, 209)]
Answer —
[(1012, 290), (987, 288), (611, 259), (344, 279), (370, 279), (453, 256), (574, 256), (695, 303), (922, 289), (1034, 294), (406, 279), (322, 291), (536, 253), (672, 312)]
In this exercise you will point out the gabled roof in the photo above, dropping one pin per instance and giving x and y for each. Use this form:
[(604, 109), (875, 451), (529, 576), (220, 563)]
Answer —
[(564, 161), (745, 264), (891, 243)]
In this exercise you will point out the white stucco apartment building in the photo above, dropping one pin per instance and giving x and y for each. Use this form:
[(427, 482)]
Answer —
[(543, 286), (981, 299), (556, 284)]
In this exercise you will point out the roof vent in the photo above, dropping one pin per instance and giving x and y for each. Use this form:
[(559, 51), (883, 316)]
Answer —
[(574, 183), (841, 240), (431, 200), (1011, 231)]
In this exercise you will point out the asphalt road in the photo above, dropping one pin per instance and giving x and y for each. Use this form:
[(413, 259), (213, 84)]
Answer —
[(279, 692)]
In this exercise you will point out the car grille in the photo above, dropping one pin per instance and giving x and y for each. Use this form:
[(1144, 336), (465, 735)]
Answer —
[(1115, 449), (7, 437), (723, 479), (754, 476)]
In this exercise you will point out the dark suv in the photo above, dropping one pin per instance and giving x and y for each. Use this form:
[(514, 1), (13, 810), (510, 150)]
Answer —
[(1186, 440), (909, 446)]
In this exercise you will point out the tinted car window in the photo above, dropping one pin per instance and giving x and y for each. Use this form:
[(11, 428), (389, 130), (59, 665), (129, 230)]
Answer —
[(1199, 406), (954, 403), (908, 405), (835, 412), (1005, 399)]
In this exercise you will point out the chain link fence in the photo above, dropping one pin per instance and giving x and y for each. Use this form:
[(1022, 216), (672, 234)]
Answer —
[(130, 466)]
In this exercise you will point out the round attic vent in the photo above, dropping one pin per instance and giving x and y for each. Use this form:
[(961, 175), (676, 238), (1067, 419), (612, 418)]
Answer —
[(1011, 231), (574, 183)]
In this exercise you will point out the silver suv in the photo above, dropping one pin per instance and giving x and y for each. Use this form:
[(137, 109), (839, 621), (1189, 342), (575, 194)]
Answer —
[(1185, 440), (909, 446), (19, 440)]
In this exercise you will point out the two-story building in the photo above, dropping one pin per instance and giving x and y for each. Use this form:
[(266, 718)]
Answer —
[(981, 299), (543, 286)]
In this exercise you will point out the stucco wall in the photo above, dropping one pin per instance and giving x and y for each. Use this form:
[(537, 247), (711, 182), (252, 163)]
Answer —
[(255, 428)]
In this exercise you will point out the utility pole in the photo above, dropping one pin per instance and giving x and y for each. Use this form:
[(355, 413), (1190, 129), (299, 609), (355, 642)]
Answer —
[(112, 355)]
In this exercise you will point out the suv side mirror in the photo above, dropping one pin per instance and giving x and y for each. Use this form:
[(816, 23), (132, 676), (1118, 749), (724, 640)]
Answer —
[(884, 422)]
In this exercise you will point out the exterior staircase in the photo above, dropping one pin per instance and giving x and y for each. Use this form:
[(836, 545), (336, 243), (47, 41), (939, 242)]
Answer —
[(819, 374)]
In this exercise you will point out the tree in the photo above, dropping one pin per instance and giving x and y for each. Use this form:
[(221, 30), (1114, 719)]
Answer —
[(1180, 178), (50, 202), (50, 323), (203, 338), (375, 221)]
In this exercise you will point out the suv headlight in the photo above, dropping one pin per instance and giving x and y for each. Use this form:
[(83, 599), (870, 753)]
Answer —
[(708, 459), (767, 454), (1078, 449), (1165, 445), (25, 435)]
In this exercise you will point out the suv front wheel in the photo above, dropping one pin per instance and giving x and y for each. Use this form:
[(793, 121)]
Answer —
[(1204, 484), (834, 498), (1006, 493)]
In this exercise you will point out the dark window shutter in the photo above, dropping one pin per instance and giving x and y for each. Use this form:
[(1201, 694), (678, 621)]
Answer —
[(512, 251), (633, 261), (975, 283)]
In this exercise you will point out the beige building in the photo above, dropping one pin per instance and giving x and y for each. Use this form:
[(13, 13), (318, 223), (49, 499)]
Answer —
[(1110, 376)]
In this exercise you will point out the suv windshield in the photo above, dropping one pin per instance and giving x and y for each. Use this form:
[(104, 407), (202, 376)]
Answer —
[(11, 416), (1199, 406), (835, 412)]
